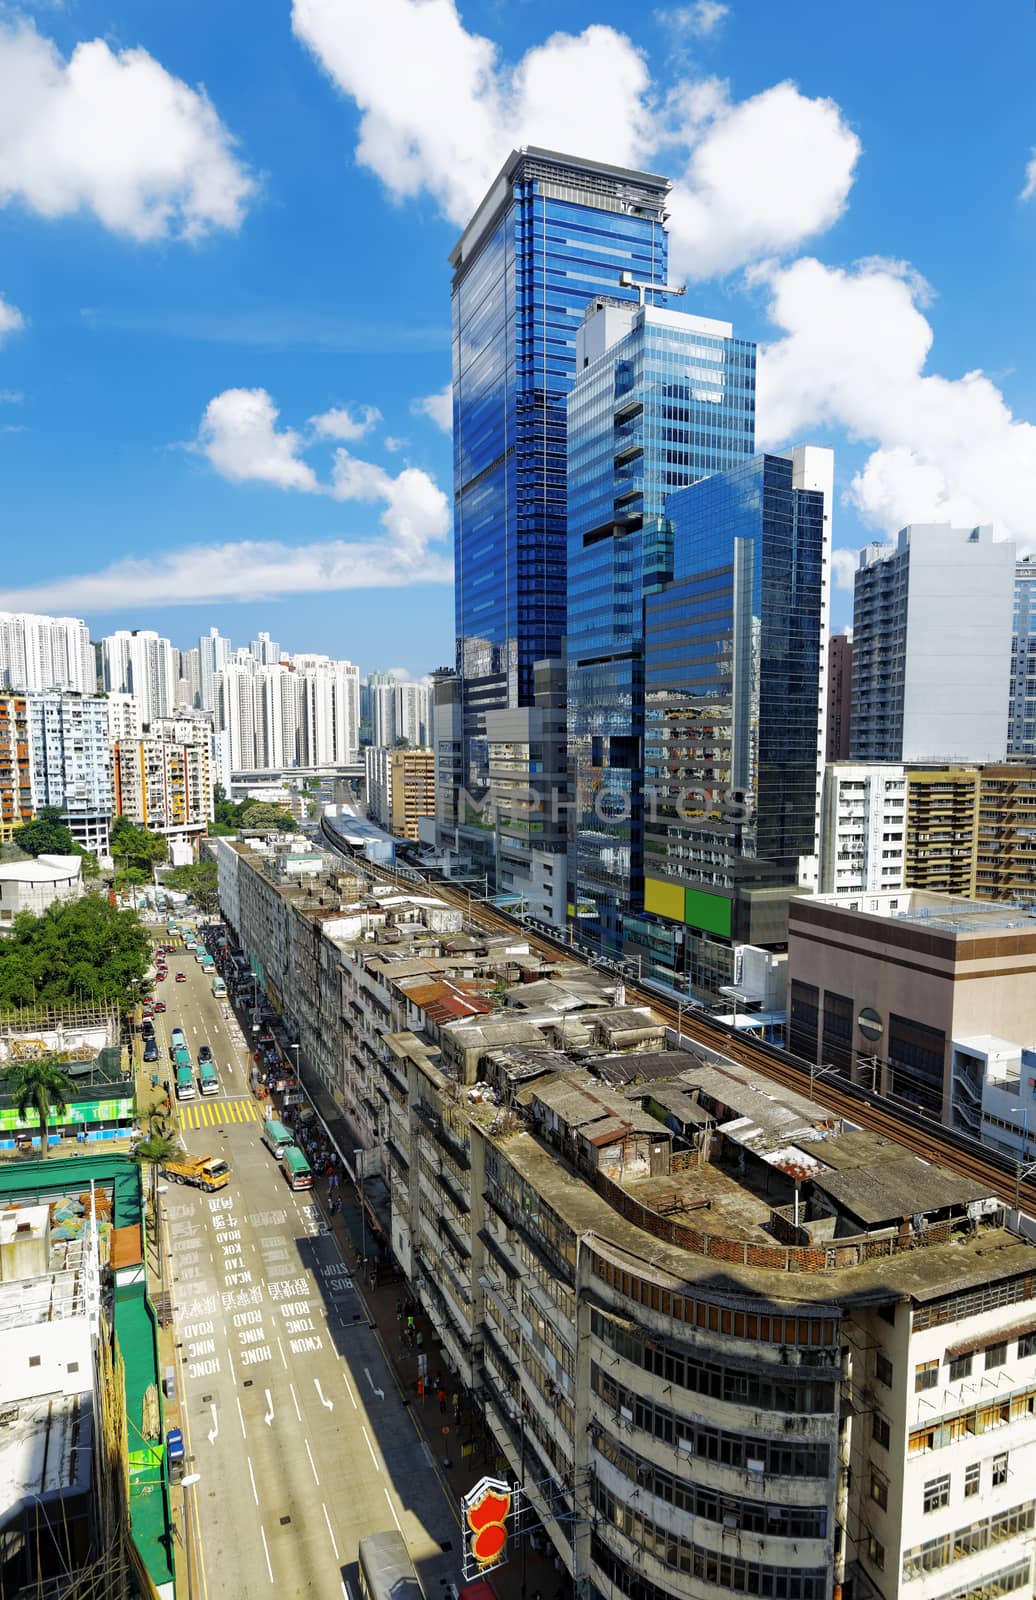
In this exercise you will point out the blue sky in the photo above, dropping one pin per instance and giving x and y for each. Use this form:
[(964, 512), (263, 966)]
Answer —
[(224, 287)]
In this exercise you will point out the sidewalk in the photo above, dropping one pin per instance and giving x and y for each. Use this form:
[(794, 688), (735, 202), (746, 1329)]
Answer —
[(456, 1434)]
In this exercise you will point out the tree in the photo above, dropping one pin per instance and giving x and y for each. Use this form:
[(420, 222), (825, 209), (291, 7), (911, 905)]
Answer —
[(200, 881), (46, 835), (260, 814), (160, 1145), (135, 848), (80, 950), (42, 1085)]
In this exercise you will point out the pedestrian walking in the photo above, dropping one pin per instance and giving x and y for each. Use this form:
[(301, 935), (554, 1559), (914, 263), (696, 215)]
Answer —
[(399, 1310), (442, 1402), (419, 1338)]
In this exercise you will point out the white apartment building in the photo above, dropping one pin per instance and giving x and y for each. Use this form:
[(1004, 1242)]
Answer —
[(213, 655), (144, 665), (124, 719), (39, 652), (864, 828), (72, 763), (412, 722), (932, 631), (266, 650)]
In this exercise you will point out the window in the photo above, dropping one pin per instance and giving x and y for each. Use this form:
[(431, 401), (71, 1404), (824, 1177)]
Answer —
[(73, 1366), (996, 1355), (999, 1470), (972, 1479), (926, 1376), (883, 1369), (34, 1361), (881, 1433), (960, 1367), (879, 1490), (937, 1493), (1026, 1346), (876, 1552)]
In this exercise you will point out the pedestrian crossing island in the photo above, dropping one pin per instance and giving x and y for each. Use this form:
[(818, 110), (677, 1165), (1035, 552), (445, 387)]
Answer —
[(217, 1113)]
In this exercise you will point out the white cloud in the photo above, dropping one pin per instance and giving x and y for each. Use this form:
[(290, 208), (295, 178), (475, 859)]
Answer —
[(343, 423), (11, 321), (416, 510), (852, 355), (437, 406), (239, 436), (391, 442), (11, 397), (114, 133), (751, 179), (1030, 178), (696, 21), (843, 568), (250, 570)]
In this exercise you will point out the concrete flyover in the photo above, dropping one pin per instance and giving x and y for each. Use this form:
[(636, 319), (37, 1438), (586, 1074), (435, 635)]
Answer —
[(354, 769)]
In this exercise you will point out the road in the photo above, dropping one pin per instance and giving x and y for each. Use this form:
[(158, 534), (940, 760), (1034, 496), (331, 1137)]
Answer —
[(292, 1419)]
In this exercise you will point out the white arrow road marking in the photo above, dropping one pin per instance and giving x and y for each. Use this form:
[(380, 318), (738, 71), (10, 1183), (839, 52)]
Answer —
[(379, 1392), (269, 1409), (324, 1402), (214, 1430)]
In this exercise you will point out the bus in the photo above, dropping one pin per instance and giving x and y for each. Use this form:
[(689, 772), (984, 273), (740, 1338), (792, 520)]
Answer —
[(219, 988), (386, 1571), (184, 1083), (177, 1041), (276, 1137), (170, 928), (207, 1079), (296, 1168), (207, 963)]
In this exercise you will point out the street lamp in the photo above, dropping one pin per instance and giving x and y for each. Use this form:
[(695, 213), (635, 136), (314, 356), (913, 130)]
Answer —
[(358, 1157), (188, 1483)]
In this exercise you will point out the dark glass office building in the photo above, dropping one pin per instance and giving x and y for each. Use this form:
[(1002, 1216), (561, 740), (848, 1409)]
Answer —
[(734, 707), (661, 399), (551, 234)]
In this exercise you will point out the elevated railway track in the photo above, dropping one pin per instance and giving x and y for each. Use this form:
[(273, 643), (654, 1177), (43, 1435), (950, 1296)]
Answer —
[(929, 1140)]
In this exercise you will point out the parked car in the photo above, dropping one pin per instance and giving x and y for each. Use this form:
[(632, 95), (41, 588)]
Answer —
[(181, 977), (159, 1005)]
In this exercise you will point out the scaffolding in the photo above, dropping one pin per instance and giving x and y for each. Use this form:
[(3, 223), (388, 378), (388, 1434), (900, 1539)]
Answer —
[(59, 1030)]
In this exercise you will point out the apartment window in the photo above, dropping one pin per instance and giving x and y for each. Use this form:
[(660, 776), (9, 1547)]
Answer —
[(881, 1433), (972, 1479), (1027, 1346), (876, 1552), (879, 1490), (883, 1369), (996, 1355), (937, 1493), (999, 1470), (960, 1367), (926, 1376), (34, 1361)]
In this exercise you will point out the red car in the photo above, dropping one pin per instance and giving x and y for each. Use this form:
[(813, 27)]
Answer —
[(159, 1005), (181, 977)]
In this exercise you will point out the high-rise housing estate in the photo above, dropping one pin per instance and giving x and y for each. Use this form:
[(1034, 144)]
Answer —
[(72, 763), (932, 630), (330, 711), (213, 655), (142, 664), (1021, 721), (839, 696), (16, 798), (266, 650), (552, 234), (736, 701), (660, 399), (39, 652), (381, 701), (165, 783), (412, 721)]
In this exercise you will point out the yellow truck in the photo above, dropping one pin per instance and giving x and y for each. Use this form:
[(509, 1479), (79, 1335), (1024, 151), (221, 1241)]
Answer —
[(209, 1173)]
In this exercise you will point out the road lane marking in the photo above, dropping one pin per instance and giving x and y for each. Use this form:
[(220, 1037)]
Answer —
[(241, 1418), (370, 1447), (266, 1552), (311, 1461), (352, 1397), (392, 1508), (330, 1530), (283, 1356), (251, 1474), (294, 1399)]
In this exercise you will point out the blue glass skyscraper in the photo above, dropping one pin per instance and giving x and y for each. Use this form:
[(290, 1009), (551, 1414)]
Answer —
[(552, 233), (661, 399)]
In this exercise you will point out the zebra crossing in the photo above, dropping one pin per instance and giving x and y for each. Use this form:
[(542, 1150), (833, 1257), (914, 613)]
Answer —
[(217, 1113)]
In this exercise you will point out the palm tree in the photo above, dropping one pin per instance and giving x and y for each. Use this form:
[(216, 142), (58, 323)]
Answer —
[(43, 1085), (160, 1145)]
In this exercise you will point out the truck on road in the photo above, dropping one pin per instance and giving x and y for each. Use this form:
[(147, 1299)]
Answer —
[(209, 1172)]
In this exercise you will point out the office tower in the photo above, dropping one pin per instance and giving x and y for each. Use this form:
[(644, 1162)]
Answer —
[(551, 235), (660, 399), (932, 629), (16, 801), (213, 655), (71, 762), (412, 714), (863, 834), (45, 653), (141, 664), (1021, 722), (839, 696), (735, 689), (266, 650)]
